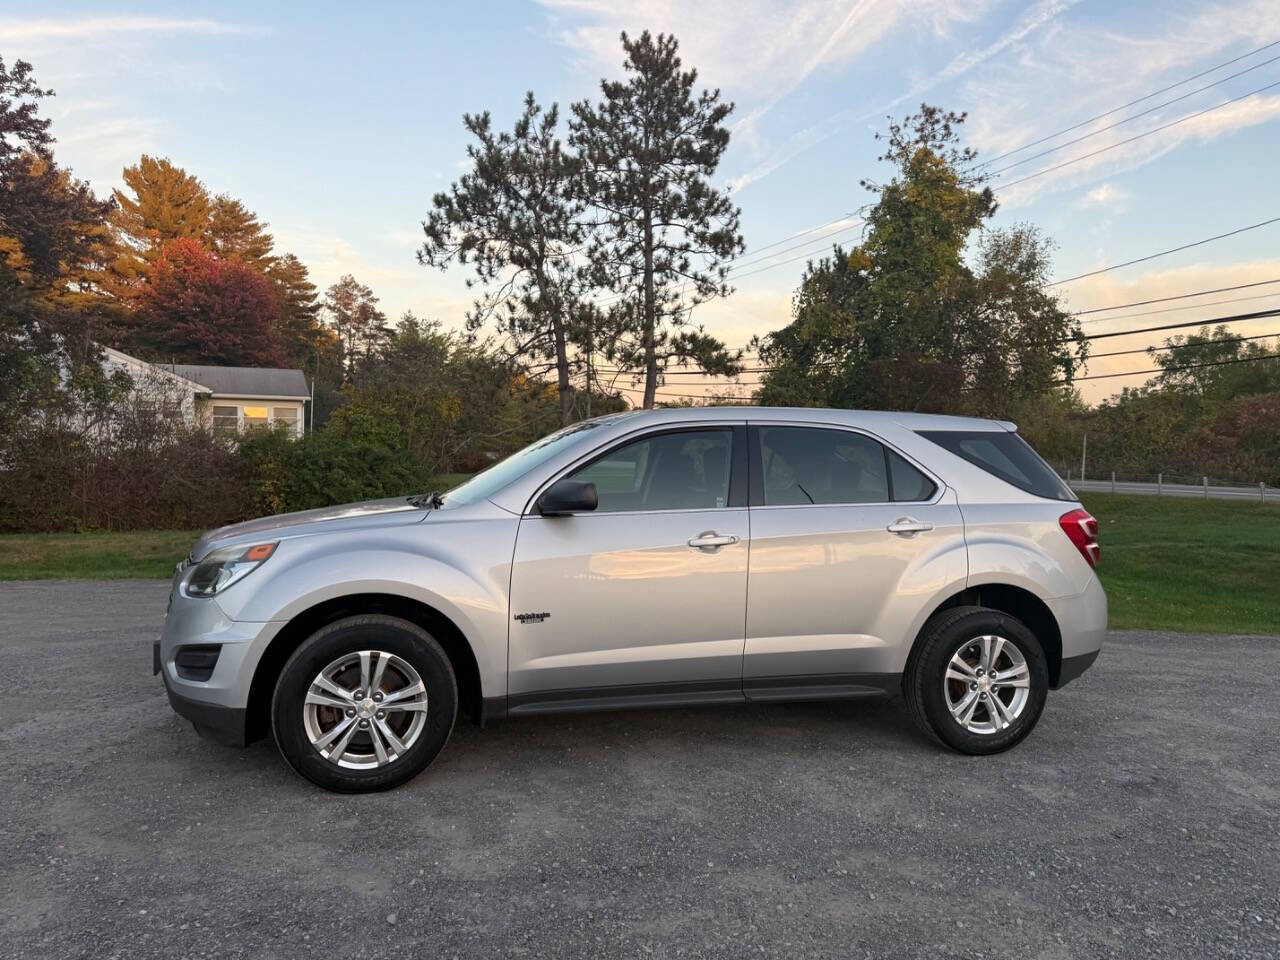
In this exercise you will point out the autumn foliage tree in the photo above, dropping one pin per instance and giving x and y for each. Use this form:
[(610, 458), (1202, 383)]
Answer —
[(351, 310), (199, 308), (50, 226)]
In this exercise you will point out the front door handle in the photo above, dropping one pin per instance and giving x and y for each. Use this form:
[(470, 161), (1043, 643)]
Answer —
[(711, 540), (908, 526)]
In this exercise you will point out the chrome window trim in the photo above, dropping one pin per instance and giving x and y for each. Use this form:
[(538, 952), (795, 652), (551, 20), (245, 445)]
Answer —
[(938, 483), (640, 513), (617, 442)]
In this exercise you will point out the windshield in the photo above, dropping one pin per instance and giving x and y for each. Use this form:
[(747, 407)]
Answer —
[(505, 472)]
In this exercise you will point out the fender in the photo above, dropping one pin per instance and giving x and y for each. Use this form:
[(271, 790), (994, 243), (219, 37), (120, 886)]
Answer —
[(1023, 545), (415, 562)]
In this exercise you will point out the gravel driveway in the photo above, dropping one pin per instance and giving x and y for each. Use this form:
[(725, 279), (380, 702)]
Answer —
[(1140, 819)]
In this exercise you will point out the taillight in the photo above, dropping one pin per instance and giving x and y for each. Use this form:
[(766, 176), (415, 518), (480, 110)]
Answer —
[(1082, 529)]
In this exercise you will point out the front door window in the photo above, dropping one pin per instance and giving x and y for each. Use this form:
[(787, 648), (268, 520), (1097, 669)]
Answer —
[(688, 470)]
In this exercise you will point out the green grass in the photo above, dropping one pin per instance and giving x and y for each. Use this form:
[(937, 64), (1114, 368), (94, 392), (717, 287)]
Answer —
[(92, 556), (1203, 566), (1167, 562)]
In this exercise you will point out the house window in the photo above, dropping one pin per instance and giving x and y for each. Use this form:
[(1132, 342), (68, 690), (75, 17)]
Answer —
[(226, 419), (255, 418), (285, 417)]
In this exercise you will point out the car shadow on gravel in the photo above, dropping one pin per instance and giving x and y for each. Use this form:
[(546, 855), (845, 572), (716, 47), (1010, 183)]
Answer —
[(841, 730)]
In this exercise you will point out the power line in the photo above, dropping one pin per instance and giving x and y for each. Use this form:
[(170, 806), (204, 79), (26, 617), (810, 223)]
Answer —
[(1189, 366), (748, 263), (732, 272), (794, 236), (1182, 346), (1234, 318), (1182, 326), (1193, 306), (1033, 143), (1120, 123), (1139, 136), (1094, 376), (1181, 296), (1094, 273), (1101, 116), (1131, 103), (1164, 253)]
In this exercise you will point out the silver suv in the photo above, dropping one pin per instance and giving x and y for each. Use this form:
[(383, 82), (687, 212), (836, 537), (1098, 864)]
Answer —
[(669, 557)]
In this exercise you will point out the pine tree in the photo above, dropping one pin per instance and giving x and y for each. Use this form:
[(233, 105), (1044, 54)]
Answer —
[(298, 320), (162, 202), (235, 232), (516, 218), (667, 234)]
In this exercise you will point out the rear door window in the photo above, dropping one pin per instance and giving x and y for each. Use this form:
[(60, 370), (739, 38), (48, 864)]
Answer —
[(815, 465), (1005, 455)]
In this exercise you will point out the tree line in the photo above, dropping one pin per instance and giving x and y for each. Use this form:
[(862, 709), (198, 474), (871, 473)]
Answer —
[(588, 243)]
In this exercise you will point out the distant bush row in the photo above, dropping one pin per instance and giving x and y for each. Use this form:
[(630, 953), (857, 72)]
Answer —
[(188, 479)]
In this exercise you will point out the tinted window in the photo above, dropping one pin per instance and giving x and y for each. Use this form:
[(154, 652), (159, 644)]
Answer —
[(813, 465), (1004, 455), (671, 471), (908, 483)]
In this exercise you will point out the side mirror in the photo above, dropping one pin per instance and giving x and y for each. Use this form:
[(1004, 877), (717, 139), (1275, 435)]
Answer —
[(568, 496)]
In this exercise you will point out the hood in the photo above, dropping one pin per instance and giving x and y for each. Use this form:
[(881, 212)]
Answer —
[(393, 511)]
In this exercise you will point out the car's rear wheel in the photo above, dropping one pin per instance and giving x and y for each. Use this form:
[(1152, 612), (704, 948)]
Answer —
[(365, 703), (978, 680)]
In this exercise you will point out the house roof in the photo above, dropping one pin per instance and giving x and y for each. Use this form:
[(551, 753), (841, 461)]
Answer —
[(244, 381)]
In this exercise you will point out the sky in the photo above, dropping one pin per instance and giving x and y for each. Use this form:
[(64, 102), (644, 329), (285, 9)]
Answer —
[(337, 122)]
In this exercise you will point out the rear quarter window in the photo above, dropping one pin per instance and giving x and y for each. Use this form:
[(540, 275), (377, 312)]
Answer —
[(1004, 455)]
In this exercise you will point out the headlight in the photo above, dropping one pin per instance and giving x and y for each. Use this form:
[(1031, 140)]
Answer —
[(222, 568)]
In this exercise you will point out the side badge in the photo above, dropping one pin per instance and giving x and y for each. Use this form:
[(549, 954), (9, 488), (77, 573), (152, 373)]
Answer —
[(532, 617)]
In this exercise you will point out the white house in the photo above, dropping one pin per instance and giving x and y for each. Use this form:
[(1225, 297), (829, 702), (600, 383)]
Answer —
[(225, 399)]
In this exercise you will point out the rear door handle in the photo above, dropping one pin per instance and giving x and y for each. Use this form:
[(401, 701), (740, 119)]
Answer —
[(907, 526), (712, 540)]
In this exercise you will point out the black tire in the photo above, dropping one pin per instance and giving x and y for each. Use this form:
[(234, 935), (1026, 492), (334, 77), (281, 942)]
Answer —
[(350, 635), (923, 682)]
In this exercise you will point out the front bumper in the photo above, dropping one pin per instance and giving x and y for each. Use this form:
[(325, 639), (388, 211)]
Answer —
[(216, 706), (224, 725)]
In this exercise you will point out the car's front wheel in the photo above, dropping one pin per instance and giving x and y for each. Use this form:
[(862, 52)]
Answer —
[(365, 703), (978, 681)]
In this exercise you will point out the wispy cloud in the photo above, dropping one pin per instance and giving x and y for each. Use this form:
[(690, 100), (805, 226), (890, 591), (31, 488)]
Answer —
[(1101, 69), (95, 64), (1039, 15), (1128, 157), (1114, 199), (753, 48), (14, 30)]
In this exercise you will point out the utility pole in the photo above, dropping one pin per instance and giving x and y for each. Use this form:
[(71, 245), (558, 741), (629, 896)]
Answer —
[(1084, 453)]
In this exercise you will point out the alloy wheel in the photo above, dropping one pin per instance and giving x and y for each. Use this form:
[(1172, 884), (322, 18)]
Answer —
[(987, 684), (365, 710)]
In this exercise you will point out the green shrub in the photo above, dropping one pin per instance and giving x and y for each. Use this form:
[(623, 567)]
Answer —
[(325, 468)]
